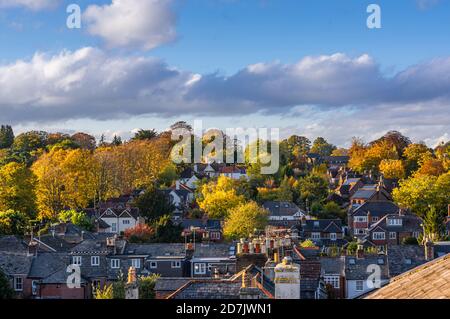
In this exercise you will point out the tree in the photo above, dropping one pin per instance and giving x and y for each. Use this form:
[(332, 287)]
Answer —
[(308, 244), (6, 292), (217, 198), (313, 188), (433, 224), (13, 223), (6, 136), (17, 189), (30, 141), (79, 219), (153, 204), (147, 286), (332, 210), (414, 154), (145, 134), (85, 141), (431, 167), (394, 139), (244, 219), (392, 168), (166, 231), (117, 140), (168, 175), (419, 192), (322, 147), (105, 293), (357, 153), (139, 234)]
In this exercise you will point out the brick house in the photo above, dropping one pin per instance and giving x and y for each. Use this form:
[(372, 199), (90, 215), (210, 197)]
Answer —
[(392, 229), (323, 232)]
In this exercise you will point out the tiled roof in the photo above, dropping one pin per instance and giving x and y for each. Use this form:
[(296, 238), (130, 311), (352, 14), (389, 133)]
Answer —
[(45, 264), (208, 289), (428, 281), (376, 208), (14, 263), (170, 284), (402, 258), (332, 265), (200, 223), (356, 268), (322, 225), (156, 250), (214, 250), (13, 244), (281, 208)]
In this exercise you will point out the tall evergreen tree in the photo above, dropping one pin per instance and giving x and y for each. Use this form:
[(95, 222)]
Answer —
[(6, 136)]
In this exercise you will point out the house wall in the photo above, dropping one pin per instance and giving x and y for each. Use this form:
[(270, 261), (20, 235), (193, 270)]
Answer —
[(121, 227), (61, 291), (164, 268), (351, 291)]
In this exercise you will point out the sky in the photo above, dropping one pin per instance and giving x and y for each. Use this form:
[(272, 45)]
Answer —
[(307, 67)]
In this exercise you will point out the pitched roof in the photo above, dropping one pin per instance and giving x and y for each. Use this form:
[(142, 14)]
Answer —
[(157, 250), (200, 223), (356, 268), (402, 258), (322, 225), (410, 223), (15, 263), (45, 264), (332, 265), (428, 281), (170, 284), (376, 208), (281, 208), (214, 250), (12, 243)]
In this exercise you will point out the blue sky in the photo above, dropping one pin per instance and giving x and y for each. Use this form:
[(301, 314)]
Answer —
[(218, 40)]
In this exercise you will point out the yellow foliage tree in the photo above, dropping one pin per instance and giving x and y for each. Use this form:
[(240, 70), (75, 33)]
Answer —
[(392, 169), (244, 220)]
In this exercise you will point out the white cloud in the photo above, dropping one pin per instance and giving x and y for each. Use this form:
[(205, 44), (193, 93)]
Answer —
[(30, 4), (143, 24), (334, 96)]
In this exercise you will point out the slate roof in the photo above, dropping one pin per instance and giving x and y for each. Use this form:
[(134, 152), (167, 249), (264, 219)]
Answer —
[(12, 244), (403, 258), (214, 251), (365, 192), (167, 284), (156, 250), (15, 263), (376, 208), (98, 247), (282, 208), (332, 265), (45, 264), (208, 289), (200, 223), (441, 248), (60, 277), (428, 281), (358, 269), (322, 225), (410, 223)]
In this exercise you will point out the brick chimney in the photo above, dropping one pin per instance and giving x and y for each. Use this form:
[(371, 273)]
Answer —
[(360, 252), (429, 250), (33, 247)]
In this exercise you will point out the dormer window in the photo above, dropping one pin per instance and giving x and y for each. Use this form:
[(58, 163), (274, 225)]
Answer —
[(394, 221), (316, 224), (408, 261), (380, 261), (351, 261)]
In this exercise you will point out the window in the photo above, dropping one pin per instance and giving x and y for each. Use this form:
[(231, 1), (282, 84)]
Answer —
[(332, 280), (115, 263), (114, 227), (126, 222), (408, 261), (351, 261), (378, 236), (214, 235), (76, 260), (380, 261), (360, 219), (375, 219), (95, 261), (153, 265), (136, 263), (359, 285), (333, 236), (392, 235), (315, 235), (200, 269), (176, 264), (18, 283), (394, 222), (34, 287), (316, 223)]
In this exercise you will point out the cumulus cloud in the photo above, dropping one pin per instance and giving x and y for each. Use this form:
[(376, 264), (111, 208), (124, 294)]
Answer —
[(30, 4), (336, 94), (143, 24)]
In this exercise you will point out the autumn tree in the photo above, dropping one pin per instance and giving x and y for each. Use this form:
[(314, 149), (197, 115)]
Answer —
[(217, 198), (313, 188), (392, 168), (414, 154), (433, 224), (77, 218), (17, 189), (431, 167), (85, 141), (394, 140), (244, 220)]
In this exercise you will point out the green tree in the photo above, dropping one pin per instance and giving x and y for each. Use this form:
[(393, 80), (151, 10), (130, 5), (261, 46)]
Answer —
[(153, 204), (166, 231), (6, 292), (313, 188), (322, 147), (6, 136), (147, 286), (13, 223), (332, 210), (433, 224), (105, 293), (17, 189), (117, 140), (145, 135), (79, 219), (168, 175), (244, 219)]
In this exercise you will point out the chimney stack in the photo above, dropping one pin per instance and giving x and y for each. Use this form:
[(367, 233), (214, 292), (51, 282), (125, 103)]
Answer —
[(429, 250), (360, 252)]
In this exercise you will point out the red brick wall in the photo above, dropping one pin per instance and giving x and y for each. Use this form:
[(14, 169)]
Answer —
[(63, 292)]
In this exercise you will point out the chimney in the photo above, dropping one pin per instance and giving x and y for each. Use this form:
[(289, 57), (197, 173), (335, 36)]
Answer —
[(429, 250), (131, 275), (369, 218), (82, 235), (32, 248), (360, 252)]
